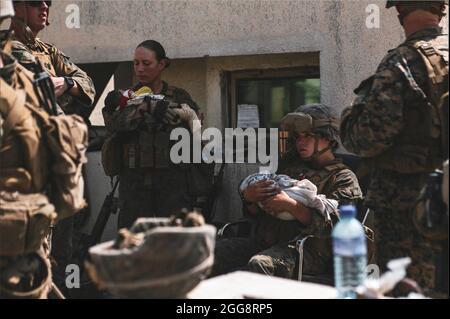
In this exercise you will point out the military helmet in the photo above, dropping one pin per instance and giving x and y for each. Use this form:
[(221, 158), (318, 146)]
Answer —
[(392, 3), (315, 118), (159, 261), (6, 9)]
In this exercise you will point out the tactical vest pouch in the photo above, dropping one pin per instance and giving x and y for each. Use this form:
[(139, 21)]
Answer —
[(25, 220), (15, 179), (146, 150), (162, 149), (112, 155), (68, 139)]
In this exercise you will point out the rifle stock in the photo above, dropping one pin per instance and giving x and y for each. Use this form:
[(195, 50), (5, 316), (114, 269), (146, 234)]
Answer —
[(109, 207)]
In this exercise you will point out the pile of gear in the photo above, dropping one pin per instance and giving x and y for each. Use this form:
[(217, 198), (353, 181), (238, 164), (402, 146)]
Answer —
[(156, 258)]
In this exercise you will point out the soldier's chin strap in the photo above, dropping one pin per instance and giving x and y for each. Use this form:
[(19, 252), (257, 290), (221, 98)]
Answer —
[(316, 152)]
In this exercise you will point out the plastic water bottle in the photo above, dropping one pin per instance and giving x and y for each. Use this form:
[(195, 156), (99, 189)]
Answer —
[(350, 253)]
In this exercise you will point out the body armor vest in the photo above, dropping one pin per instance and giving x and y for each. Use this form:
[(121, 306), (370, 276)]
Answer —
[(150, 148), (24, 156)]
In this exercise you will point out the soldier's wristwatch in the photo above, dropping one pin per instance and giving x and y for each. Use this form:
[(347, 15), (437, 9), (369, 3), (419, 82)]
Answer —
[(69, 82), (241, 194)]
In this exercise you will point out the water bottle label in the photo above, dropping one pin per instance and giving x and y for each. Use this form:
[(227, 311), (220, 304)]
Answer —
[(350, 247)]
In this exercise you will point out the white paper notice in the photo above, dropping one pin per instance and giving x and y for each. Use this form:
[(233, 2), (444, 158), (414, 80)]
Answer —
[(248, 116)]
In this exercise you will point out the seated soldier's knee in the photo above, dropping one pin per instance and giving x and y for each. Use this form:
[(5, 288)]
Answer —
[(261, 264)]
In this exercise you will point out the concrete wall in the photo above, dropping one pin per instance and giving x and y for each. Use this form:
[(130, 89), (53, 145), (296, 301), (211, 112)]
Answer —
[(190, 74)]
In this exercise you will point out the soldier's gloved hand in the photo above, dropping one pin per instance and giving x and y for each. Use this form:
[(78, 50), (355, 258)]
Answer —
[(160, 110), (186, 114), (172, 117), (112, 100)]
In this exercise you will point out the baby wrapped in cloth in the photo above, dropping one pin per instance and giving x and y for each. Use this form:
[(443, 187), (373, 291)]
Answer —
[(302, 191)]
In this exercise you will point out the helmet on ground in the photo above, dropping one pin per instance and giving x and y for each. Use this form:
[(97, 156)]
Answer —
[(154, 259)]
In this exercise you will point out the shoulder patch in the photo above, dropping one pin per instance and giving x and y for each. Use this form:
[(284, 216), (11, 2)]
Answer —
[(17, 45), (23, 55)]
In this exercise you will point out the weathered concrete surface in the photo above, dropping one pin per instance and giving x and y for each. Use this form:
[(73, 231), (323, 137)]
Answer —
[(190, 74), (349, 51)]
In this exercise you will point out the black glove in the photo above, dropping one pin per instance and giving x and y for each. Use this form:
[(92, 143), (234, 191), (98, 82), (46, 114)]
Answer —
[(160, 111), (112, 100)]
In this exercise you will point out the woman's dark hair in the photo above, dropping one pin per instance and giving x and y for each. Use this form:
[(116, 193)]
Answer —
[(156, 47)]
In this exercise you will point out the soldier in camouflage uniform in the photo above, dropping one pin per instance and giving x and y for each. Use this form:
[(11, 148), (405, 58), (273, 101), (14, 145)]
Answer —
[(24, 170), (150, 184), (271, 250), (394, 125), (73, 87)]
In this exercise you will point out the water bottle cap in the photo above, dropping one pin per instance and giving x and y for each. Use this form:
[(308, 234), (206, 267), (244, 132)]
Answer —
[(347, 211)]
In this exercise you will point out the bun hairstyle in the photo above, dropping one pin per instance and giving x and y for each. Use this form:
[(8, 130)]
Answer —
[(156, 47)]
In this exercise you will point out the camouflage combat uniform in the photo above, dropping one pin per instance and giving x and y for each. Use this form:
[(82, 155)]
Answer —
[(29, 50), (396, 129), (23, 166), (271, 249), (11, 157), (150, 185), (57, 64)]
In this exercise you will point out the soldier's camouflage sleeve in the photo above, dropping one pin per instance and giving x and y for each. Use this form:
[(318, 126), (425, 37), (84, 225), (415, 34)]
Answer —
[(23, 55), (345, 189), (182, 96), (375, 118), (64, 67)]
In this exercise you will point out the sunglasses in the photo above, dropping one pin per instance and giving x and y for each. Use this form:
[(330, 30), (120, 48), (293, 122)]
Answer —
[(38, 3)]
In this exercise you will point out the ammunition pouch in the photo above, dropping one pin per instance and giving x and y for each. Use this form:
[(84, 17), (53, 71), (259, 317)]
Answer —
[(147, 150), (57, 143), (25, 221), (112, 155), (68, 139)]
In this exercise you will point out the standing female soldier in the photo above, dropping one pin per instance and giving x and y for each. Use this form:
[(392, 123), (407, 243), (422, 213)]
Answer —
[(150, 184)]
